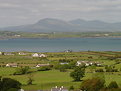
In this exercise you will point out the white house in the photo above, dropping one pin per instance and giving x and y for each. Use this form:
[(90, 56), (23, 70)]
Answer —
[(35, 55), (0, 53), (11, 65), (86, 63), (8, 53), (21, 53), (38, 55), (68, 51), (42, 55), (41, 65)]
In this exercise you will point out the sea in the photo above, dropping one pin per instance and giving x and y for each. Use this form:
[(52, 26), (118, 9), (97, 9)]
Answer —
[(60, 44)]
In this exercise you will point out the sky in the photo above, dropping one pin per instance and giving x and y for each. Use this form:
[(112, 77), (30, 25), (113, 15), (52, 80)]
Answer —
[(21, 12)]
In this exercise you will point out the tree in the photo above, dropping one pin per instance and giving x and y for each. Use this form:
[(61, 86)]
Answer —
[(22, 70), (44, 68), (94, 84), (113, 84), (72, 64), (78, 73), (8, 84), (30, 79)]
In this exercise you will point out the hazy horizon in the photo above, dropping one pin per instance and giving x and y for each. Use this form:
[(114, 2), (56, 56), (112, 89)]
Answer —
[(21, 12)]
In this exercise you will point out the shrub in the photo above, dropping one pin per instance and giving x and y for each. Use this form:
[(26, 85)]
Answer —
[(99, 70), (111, 69), (94, 84), (113, 84), (8, 84), (113, 89), (44, 68), (22, 70), (30, 79)]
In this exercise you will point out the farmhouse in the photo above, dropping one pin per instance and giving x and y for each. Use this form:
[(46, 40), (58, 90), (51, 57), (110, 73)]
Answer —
[(35, 55), (12, 65), (59, 89), (8, 53), (88, 63), (41, 65), (68, 51), (38, 55), (42, 55), (21, 53), (0, 53)]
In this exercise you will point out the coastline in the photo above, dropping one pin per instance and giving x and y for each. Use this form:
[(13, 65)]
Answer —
[(58, 37)]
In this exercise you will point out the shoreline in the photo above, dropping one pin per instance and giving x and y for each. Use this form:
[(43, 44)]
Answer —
[(58, 37)]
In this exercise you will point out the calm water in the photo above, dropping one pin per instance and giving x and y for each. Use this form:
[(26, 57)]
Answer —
[(58, 45)]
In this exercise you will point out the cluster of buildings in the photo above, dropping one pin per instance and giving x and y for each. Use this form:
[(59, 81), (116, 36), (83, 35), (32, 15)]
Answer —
[(38, 55), (56, 88), (16, 65), (23, 53), (88, 63)]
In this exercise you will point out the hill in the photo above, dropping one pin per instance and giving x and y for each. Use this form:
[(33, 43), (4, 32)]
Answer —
[(56, 25)]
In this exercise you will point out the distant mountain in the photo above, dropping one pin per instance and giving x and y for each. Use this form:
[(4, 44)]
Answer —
[(56, 25)]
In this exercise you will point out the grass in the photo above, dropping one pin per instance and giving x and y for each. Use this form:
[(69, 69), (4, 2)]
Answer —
[(45, 79), (49, 79)]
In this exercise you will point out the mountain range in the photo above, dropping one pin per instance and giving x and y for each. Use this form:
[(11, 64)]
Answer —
[(56, 25)]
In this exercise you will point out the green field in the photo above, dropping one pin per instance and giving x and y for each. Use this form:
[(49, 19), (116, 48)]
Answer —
[(52, 78)]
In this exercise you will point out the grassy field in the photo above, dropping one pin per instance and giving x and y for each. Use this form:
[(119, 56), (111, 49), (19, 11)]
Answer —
[(52, 78), (49, 79)]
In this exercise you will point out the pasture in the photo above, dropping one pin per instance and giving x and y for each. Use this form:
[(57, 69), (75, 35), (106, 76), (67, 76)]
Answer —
[(51, 78)]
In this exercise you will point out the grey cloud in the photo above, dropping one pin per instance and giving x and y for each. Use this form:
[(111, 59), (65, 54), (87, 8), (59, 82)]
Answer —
[(19, 12)]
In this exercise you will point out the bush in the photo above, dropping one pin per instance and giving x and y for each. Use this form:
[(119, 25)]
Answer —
[(44, 68), (22, 70), (94, 84), (8, 84), (113, 89), (111, 69), (99, 70), (62, 68), (113, 84), (30, 79)]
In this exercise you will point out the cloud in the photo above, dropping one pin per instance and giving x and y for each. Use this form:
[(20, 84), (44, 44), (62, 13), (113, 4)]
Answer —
[(29, 11)]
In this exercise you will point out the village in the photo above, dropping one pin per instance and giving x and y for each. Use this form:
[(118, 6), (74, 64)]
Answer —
[(38, 55)]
